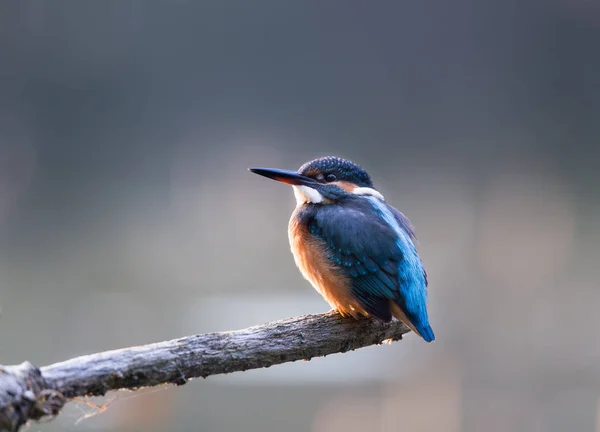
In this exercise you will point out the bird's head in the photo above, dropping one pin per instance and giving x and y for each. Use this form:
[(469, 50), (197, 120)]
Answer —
[(325, 180)]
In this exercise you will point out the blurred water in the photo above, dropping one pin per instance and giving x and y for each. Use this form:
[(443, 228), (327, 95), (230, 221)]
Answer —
[(127, 215)]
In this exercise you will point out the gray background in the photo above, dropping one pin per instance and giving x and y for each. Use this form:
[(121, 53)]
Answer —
[(127, 215)]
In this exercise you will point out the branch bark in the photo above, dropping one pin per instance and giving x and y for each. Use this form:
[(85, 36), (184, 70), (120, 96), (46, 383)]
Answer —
[(27, 392)]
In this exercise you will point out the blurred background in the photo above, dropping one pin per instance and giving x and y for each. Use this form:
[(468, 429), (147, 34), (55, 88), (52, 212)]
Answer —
[(127, 215)]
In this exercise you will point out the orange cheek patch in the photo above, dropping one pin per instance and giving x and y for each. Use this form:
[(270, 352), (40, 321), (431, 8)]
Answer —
[(347, 186)]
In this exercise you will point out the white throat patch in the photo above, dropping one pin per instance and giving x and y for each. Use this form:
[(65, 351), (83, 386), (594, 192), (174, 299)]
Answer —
[(305, 194)]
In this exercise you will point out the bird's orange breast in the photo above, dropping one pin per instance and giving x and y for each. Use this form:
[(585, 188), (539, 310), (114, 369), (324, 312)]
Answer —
[(310, 256)]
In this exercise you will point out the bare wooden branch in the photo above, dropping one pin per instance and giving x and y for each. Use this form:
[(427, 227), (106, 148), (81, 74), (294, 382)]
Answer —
[(27, 392)]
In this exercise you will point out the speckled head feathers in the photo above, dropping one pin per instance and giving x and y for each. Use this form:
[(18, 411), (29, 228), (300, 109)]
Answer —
[(331, 168)]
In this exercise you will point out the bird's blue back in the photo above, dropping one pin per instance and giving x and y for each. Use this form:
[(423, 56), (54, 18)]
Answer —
[(373, 244)]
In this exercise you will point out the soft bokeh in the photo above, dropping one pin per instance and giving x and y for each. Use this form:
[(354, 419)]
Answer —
[(127, 215)]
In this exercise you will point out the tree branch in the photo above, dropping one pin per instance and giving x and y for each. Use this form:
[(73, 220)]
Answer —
[(27, 392)]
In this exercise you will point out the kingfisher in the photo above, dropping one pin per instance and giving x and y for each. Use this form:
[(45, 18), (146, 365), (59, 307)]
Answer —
[(353, 247)]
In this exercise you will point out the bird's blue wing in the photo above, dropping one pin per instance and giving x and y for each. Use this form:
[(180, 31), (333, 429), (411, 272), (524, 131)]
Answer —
[(382, 268), (405, 224)]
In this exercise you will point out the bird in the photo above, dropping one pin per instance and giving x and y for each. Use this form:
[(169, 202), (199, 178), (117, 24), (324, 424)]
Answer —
[(353, 247)]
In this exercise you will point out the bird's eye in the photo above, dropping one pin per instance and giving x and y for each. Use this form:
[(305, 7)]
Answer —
[(330, 178)]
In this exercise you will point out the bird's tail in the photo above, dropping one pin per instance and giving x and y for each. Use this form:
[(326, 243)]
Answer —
[(420, 327), (426, 333)]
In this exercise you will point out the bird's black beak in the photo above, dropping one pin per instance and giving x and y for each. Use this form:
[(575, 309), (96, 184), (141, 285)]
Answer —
[(284, 176)]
